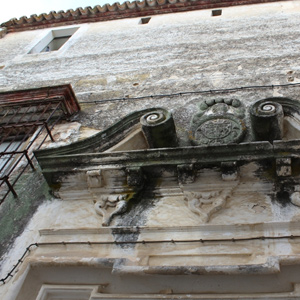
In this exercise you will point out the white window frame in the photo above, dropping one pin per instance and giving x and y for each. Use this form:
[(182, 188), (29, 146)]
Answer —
[(55, 33)]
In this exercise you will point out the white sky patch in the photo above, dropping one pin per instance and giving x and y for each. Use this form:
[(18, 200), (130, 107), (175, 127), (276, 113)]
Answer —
[(19, 8)]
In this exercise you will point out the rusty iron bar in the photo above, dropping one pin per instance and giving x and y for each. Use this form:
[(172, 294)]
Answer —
[(49, 131), (53, 124), (12, 152), (11, 188), (23, 114), (25, 137), (13, 115), (29, 160), (45, 114)]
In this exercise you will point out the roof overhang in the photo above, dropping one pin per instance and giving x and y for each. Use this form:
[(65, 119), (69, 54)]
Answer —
[(117, 11)]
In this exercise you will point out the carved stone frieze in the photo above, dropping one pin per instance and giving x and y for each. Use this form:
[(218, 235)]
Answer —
[(219, 122), (222, 146), (110, 204), (109, 190)]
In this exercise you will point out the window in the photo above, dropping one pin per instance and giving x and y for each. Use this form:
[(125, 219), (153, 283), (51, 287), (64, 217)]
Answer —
[(53, 40), (145, 20), (26, 120), (216, 12)]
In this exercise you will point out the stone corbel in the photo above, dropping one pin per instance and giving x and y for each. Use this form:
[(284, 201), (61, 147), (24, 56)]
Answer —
[(283, 167), (229, 171), (135, 177), (94, 179), (186, 173)]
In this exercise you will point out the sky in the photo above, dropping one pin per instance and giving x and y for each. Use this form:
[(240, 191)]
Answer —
[(18, 8)]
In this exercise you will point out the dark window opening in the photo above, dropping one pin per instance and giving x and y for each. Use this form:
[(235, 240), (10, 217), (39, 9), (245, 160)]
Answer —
[(56, 43), (216, 12), (145, 20)]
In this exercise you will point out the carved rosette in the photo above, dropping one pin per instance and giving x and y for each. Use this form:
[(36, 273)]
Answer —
[(218, 122)]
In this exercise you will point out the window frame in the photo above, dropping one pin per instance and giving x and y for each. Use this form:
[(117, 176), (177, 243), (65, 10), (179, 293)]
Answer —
[(46, 41)]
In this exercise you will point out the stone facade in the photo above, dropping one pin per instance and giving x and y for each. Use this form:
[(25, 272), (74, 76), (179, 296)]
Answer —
[(179, 177)]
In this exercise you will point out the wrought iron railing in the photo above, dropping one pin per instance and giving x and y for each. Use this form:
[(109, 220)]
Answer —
[(25, 124)]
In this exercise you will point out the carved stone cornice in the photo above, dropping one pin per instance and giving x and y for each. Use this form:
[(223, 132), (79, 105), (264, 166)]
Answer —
[(244, 152)]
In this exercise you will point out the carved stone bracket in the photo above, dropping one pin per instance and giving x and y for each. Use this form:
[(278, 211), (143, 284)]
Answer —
[(135, 177), (186, 173), (117, 202), (94, 179), (284, 167), (229, 171)]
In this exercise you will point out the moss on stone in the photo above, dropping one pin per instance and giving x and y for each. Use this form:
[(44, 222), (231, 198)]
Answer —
[(16, 212)]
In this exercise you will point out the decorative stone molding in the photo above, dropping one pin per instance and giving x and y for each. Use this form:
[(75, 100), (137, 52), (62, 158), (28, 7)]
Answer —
[(284, 167), (94, 179), (159, 129), (186, 173), (135, 177), (267, 120), (109, 204), (168, 170), (109, 193), (229, 171), (219, 121), (207, 203), (117, 202)]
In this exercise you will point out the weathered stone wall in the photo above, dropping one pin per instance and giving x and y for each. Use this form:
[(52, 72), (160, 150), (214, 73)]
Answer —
[(248, 45), (177, 53)]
